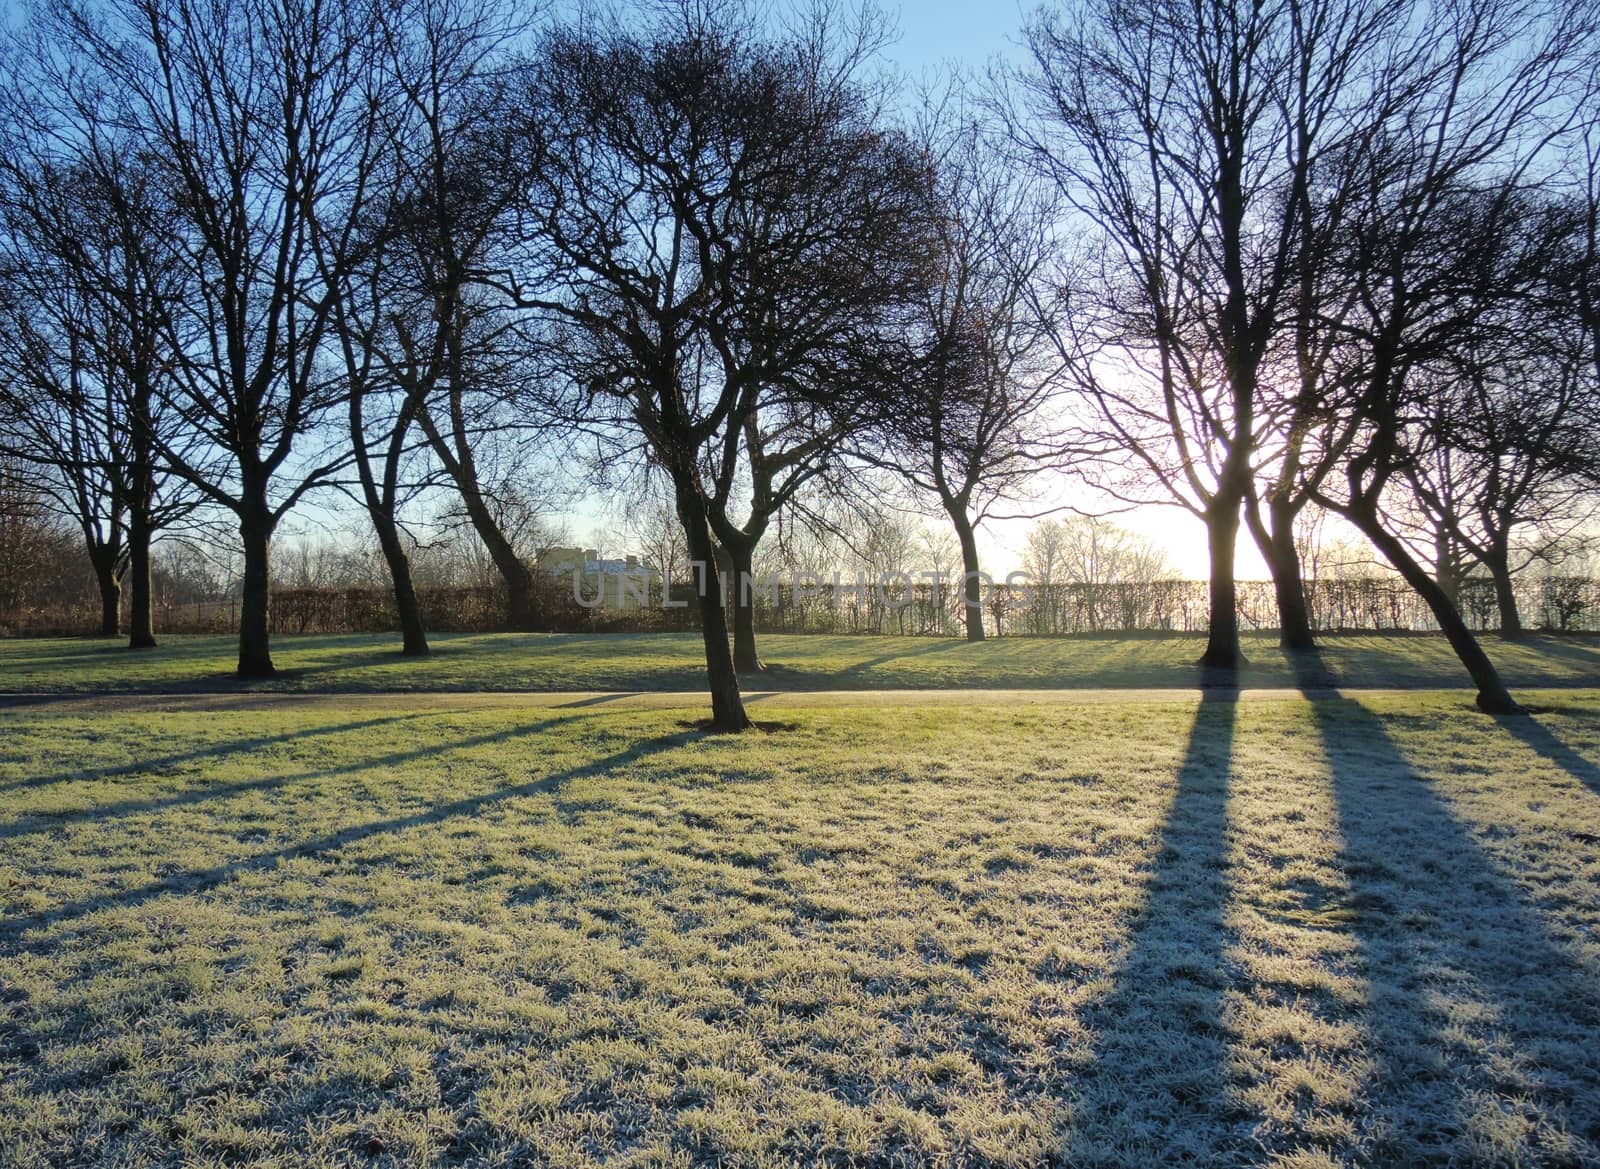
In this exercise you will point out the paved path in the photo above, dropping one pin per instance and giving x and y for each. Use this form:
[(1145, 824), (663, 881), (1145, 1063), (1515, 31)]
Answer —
[(579, 700)]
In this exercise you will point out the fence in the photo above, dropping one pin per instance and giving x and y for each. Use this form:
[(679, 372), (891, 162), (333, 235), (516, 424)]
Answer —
[(1372, 604)]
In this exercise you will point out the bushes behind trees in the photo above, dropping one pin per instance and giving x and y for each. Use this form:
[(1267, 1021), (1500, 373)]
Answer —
[(1558, 604)]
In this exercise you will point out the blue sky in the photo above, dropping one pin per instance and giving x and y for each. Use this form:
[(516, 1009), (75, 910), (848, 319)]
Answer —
[(935, 31)]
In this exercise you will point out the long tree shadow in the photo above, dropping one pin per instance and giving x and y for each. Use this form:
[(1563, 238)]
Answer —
[(1480, 1025), (1309, 669), (354, 663), (1154, 1092), (157, 763), (13, 929), (45, 821), (1582, 651), (1543, 740), (18, 701), (599, 699), (927, 646)]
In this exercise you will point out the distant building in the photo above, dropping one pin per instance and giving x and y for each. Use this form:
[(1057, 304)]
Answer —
[(603, 582)]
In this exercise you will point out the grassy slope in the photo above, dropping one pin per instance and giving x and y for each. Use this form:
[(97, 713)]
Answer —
[(671, 661), (350, 932)]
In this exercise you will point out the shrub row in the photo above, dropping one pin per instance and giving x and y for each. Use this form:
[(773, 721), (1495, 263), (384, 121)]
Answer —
[(1374, 604)]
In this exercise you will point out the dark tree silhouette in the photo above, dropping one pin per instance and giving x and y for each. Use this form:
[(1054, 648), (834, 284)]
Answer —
[(723, 217), (1510, 415), (1188, 138), (92, 287), (404, 327), (784, 446), (975, 416), (1423, 251), (251, 115), (461, 356)]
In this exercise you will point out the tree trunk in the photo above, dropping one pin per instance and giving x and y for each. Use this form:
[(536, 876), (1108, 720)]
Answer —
[(727, 706), (1447, 574), (742, 555), (105, 574), (141, 616), (1493, 696), (381, 511), (1505, 595), (971, 590), (1222, 532), (521, 610), (414, 637), (255, 532), (1276, 541)]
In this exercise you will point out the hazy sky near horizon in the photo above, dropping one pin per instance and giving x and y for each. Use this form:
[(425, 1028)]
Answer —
[(935, 34)]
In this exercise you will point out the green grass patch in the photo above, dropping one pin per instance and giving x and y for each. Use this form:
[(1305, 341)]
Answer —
[(513, 662), (454, 930)]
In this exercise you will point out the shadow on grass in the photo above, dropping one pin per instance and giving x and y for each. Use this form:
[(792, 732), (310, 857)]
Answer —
[(1481, 1026), (13, 928), (1574, 648), (1540, 738), (928, 646), (15, 701), (597, 699), (1309, 669), (1156, 1085), (389, 656), (232, 747), (32, 822), (707, 726)]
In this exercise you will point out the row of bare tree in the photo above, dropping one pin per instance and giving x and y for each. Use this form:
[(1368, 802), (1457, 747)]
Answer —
[(1248, 258), (1340, 254)]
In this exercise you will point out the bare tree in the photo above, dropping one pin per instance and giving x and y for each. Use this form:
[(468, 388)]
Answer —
[(1428, 243), (721, 214), (1188, 137), (48, 408), (974, 421), (401, 292), (815, 338), (1097, 555), (31, 544), (785, 444), (252, 114), (381, 421), (1095, 560), (652, 527), (1506, 433), (91, 291), (1585, 279), (1044, 563), (460, 354)]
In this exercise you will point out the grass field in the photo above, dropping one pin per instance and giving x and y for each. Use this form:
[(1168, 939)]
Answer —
[(508, 662), (438, 930)]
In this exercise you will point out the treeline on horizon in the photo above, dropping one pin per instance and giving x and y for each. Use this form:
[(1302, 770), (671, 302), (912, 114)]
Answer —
[(1083, 576), (1561, 604), (1267, 262)]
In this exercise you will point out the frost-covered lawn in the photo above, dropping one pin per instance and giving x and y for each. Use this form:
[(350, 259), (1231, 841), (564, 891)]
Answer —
[(667, 661), (441, 930)]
